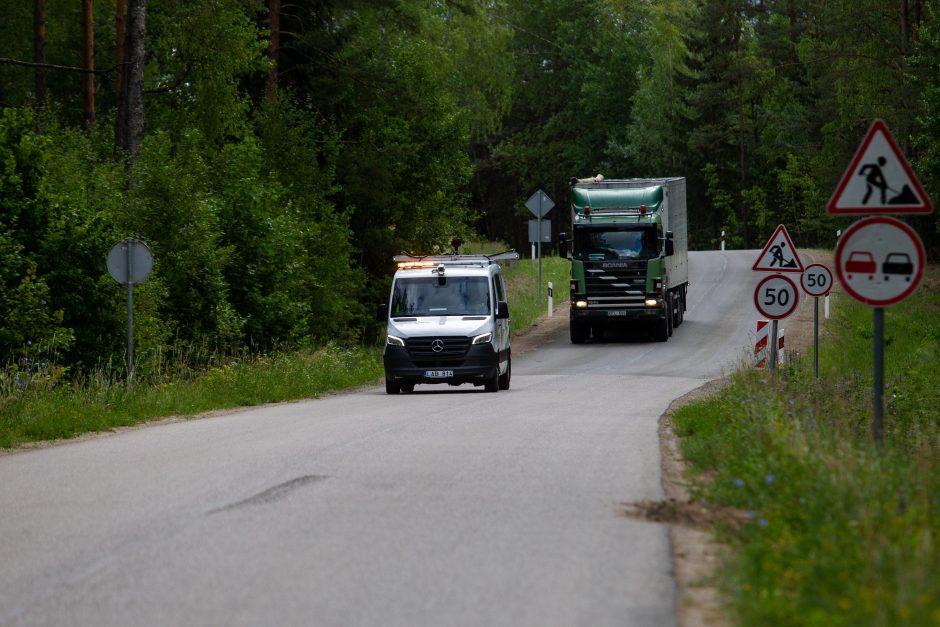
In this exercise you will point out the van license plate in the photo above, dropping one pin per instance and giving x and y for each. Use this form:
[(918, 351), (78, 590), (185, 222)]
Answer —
[(438, 374), (616, 312)]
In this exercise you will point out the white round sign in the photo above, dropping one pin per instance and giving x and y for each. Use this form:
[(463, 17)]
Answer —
[(776, 296), (816, 280), (880, 261), (130, 261)]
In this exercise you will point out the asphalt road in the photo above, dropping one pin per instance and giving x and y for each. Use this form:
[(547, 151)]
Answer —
[(449, 506)]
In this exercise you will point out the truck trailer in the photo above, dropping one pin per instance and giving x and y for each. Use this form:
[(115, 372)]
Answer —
[(629, 255)]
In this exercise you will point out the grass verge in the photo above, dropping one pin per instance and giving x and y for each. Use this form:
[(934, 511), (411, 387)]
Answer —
[(38, 402), (834, 530)]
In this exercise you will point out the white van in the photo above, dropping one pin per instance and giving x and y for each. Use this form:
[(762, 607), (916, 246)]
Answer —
[(448, 322)]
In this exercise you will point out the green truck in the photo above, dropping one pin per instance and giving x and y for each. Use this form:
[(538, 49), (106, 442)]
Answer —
[(629, 255)]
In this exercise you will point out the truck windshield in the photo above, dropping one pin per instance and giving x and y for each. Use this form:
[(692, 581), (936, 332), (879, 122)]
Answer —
[(594, 244), (431, 296)]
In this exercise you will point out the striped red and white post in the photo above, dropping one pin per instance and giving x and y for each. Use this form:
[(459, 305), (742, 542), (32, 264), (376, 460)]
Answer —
[(761, 348)]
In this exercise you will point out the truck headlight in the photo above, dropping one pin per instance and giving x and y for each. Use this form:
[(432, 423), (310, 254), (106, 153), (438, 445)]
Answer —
[(580, 304), (652, 302), (391, 340), (482, 339)]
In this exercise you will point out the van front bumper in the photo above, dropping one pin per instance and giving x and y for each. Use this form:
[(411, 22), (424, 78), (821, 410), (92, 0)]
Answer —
[(479, 364)]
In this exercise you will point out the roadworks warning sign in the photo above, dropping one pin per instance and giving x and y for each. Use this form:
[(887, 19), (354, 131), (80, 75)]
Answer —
[(779, 254)]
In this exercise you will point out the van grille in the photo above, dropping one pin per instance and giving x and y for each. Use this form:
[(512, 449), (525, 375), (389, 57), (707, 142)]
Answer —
[(453, 351)]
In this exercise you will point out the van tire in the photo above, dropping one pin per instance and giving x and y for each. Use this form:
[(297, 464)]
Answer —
[(391, 387), (493, 384), (504, 378)]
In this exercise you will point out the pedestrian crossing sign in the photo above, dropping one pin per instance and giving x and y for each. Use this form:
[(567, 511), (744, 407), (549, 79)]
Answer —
[(779, 255), (879, 180)]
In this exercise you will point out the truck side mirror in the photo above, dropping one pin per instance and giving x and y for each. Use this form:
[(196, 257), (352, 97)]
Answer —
[(670, 244), (381, 313), (502, 310), (563, 245)]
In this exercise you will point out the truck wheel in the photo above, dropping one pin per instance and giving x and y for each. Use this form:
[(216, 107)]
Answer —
[(663, 328), (504, 378), (677, 308), (669, 308), (407, 388), (579, 332), (391, 387)]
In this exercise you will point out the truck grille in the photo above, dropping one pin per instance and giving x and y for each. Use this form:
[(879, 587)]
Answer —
[(452, 351), (615, 283)]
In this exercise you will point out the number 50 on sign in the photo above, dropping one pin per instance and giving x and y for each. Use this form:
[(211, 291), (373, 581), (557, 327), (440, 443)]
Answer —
[(776, 296)]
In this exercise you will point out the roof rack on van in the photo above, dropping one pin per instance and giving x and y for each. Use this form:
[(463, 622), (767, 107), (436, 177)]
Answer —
[(418, 261)]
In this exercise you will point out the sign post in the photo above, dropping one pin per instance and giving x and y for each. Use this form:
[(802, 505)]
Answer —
[(816, 281), (776, 296), (879, 260), (539, 204), (129, 263)]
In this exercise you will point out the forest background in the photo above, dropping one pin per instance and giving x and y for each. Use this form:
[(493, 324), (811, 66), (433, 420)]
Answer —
[(275, 156)]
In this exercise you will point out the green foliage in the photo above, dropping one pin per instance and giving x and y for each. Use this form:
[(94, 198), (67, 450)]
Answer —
[(522, 283), (834, 530)]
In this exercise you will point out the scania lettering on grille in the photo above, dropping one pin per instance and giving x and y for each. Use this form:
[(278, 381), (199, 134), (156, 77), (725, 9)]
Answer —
[(437, 345), (616, 264)]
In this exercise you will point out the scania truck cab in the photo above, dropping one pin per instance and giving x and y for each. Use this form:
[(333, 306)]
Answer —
[(447, 322)]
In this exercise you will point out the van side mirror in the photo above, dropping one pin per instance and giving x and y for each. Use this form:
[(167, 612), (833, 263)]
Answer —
[(670, 244), (502, 310), (563, 245), (381, 313)]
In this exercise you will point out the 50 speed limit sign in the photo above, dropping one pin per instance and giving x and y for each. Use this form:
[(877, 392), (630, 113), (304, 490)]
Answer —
[(776, 296), (816, 280)]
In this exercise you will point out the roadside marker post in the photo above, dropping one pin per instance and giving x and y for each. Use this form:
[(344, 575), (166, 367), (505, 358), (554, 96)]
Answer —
[(879, 260)]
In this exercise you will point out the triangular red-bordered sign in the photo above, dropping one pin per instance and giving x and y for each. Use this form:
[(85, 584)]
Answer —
[(779, 254), (879, 180)]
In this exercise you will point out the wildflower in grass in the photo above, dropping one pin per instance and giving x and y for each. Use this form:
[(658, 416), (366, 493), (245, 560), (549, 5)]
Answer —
[(762, 522), (739, 483), (769, 479), (811, 423)]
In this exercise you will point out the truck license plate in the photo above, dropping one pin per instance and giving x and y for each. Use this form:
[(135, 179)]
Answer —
[(616, 312), (438, 374)]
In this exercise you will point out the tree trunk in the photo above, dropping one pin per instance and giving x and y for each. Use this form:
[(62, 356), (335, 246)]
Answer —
[(120, 11), (39, 53), (274, 45), (129, 127), (88, 60)]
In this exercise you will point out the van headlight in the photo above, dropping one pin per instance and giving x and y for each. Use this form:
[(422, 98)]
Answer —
[(391, 340), (482, 339)]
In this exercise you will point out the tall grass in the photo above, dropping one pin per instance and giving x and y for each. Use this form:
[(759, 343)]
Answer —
[(836, 530)]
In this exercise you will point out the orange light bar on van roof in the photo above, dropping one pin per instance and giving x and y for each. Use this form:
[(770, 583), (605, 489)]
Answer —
[(417, 264)]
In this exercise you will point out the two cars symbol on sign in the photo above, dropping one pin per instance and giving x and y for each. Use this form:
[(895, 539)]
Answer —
[(880, 260)]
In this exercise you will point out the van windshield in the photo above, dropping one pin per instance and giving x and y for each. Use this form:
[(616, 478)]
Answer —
[(449, 296)]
